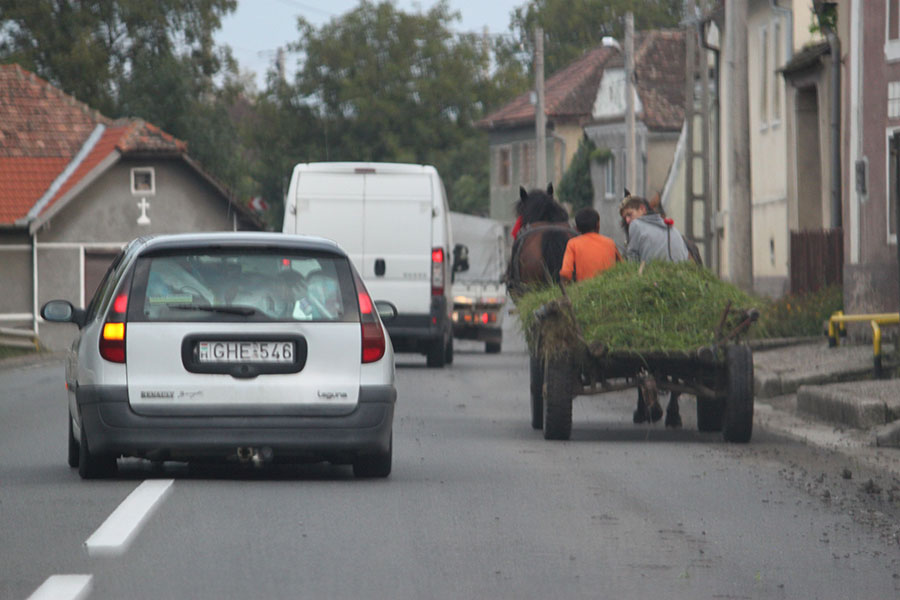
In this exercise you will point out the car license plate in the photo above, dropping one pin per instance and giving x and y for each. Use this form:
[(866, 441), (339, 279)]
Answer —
[(245, 352)]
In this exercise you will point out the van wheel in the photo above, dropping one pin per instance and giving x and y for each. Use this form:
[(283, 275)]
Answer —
[(437, 354), (492, 347), (448, 356)]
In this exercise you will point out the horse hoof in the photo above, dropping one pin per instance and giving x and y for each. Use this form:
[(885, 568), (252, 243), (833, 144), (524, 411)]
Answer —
[(673, 420)]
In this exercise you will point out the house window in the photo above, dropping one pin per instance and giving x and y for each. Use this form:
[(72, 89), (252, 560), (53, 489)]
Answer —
[(776, 81), (504, 167), (527, 164), (143, 181), (894, 100), (763, 76), (892, 30), (610, 176)]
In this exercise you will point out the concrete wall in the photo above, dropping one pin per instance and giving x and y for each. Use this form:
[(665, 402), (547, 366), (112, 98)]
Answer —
[(870, 285), (768, 147)]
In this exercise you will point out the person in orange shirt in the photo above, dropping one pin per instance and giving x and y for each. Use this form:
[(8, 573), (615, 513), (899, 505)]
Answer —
[(589, 253)]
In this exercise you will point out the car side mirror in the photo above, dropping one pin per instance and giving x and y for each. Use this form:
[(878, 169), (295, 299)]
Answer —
[(460, 258), (386, 310), (62, 311)]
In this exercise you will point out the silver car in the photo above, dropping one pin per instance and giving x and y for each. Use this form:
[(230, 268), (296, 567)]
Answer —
[(250, 347)]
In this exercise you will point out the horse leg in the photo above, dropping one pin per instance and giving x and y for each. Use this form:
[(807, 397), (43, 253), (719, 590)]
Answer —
[(673, 416), (648, 408)]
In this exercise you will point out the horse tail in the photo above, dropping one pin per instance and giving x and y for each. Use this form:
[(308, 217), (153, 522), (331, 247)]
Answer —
[(693, 251), (553, 248)]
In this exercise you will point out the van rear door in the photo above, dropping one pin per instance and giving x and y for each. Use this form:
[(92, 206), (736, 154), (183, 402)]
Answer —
[(330, 205), (397, 224)]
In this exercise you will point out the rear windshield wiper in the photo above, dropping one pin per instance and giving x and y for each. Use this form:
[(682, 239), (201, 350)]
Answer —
[(244, 311)]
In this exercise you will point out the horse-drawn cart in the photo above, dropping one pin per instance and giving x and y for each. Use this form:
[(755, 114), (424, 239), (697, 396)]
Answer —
[(563, 365)]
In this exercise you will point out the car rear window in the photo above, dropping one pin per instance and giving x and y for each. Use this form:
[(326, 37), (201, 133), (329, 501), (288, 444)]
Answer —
[(229, 285)]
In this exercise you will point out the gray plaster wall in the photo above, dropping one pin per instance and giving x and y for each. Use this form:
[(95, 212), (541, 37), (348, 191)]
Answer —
[(107, 211), (59, 273), (16, 278)]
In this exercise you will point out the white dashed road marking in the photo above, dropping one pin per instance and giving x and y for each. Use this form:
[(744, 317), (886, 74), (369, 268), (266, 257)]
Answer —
[(120, 528), (63, 587)]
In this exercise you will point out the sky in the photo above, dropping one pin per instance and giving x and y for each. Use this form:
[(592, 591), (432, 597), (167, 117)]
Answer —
[(258, 28)]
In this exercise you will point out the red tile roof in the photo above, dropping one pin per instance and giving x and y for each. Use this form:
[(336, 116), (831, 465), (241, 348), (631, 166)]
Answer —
[(569, 92), (42, 131), (659, 64)]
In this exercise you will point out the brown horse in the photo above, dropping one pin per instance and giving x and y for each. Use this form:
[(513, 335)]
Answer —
[(537, 253), (536, 258)]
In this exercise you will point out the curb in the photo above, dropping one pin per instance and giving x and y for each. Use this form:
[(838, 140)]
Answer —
[(840, 407), (771, 385), (33, 359)]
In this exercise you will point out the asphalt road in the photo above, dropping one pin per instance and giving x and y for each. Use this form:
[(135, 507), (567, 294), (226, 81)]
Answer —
[(478, 506)]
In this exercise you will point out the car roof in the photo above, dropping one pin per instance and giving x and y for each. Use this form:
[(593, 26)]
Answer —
[(238, 239)]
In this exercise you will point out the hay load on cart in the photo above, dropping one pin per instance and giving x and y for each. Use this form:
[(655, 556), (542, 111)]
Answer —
[(657, 327)]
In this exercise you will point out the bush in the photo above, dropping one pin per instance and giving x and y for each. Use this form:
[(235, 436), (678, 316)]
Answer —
[(799, 315)]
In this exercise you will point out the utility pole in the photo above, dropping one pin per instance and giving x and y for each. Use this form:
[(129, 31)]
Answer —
[(740, 230), (540, 118), (630, 140)]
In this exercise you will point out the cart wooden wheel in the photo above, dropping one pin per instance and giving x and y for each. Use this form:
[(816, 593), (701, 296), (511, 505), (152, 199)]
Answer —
[(710, 413), (536, 368), (559, 386), (738, 425)]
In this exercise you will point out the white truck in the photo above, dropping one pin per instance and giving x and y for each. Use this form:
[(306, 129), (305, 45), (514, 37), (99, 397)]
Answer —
[(479, 294)]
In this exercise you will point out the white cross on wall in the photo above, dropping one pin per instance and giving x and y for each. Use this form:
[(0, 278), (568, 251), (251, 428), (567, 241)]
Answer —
[(143, 205)]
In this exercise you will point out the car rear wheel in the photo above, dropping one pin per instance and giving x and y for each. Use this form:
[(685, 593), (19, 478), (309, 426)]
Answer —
[(93, 466), (374, 465), (73, 445), (492, 347), (448, 356)]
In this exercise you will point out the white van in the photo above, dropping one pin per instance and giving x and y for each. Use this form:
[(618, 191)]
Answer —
[(394, 223)]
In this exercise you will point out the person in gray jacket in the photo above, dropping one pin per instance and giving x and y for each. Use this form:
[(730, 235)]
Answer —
[(650, 237)]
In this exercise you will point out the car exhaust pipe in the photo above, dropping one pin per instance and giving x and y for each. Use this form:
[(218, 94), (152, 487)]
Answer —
[(258, 456), (244, 454)]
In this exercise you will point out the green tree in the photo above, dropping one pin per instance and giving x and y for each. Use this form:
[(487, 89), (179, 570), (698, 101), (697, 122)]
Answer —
[(93, 50), (396, 86), (573, 26), (575, 187)]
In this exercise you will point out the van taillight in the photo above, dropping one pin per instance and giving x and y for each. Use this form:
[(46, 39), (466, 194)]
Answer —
[(373, 343), (112, 338), (437, 272)]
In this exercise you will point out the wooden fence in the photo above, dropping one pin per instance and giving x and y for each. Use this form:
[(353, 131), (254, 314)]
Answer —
[(817, 259)]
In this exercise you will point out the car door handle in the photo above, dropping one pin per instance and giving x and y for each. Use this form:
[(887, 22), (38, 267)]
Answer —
[(379, 267)]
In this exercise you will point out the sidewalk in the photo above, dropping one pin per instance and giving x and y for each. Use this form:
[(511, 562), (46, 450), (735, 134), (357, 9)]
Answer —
[(831, 385)]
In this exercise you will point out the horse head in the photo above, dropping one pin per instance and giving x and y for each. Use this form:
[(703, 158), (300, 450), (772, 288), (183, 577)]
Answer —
[(539, 205)]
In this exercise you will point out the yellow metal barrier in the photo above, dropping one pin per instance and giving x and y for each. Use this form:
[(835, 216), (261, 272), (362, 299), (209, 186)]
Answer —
[(836, 327)]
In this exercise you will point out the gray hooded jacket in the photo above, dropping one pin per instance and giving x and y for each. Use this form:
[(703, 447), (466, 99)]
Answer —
[(649, 238)]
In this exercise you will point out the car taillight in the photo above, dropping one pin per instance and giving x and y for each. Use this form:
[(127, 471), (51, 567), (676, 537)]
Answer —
[(437, 272), (373, 343), (112, 338)]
